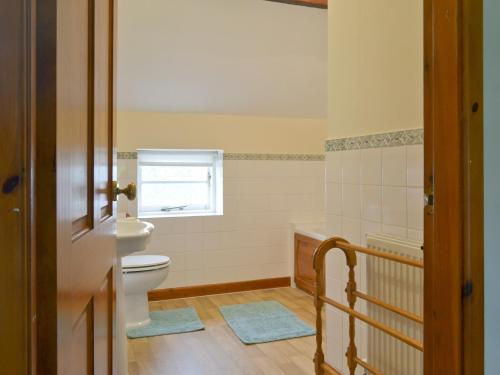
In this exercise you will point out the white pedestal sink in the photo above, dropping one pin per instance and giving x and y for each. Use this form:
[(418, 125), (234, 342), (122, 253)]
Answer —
[(132, 235)]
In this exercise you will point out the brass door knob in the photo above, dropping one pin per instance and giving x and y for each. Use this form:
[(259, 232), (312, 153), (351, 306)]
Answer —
[(130, 191)]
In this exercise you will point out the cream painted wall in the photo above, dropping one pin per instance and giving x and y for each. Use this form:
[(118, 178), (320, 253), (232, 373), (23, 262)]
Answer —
[(239, 134), (250, 57), (375, 85), (375, 66)]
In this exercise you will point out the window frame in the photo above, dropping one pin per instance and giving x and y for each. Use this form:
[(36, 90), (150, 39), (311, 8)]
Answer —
[(214, 183)]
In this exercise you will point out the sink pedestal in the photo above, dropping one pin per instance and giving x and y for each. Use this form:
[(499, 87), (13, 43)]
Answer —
[(132, 236)]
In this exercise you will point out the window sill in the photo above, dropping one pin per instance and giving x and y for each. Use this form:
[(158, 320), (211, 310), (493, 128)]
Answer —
[(178, 215)]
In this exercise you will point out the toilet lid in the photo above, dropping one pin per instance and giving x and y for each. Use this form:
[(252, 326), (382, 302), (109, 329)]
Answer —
[(136, 262)]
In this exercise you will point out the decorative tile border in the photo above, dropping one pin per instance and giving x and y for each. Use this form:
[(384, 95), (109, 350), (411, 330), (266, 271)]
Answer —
[(127, 155), (399, 138), (237, 156), (282, 157)]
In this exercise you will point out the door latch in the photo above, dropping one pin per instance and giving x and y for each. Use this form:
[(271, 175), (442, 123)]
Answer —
[(429, 199), (467, 289)]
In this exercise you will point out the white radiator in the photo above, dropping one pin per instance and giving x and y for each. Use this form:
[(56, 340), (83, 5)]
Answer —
[(402, 286)]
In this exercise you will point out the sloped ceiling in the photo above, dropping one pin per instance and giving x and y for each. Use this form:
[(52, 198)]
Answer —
[(222, 56)]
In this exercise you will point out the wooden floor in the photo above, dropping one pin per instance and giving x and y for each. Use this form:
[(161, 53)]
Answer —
[(216, 350)]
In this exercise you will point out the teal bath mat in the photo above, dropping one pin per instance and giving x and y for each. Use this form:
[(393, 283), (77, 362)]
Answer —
[(167, 322), (265, 321)]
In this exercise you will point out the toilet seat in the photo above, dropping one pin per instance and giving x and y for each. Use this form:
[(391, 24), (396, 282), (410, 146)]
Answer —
[(141, 263)]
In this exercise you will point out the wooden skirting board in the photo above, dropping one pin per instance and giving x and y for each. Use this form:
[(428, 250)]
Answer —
[(205, 290)]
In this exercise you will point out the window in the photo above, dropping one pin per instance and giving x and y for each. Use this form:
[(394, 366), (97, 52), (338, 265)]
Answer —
[(179, 182)]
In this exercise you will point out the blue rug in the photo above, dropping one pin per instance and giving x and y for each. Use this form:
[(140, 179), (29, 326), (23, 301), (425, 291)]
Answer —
[(167, 322), (265, 321)]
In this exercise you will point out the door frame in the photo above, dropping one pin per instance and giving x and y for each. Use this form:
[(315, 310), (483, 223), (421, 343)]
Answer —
[(19, 129), (453, 229)]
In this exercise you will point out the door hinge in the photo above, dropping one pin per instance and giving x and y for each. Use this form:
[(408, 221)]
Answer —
[(467, 289)]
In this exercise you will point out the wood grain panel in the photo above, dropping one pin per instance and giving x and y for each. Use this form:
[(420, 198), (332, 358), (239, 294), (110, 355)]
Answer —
[(103, 106), (46, 187), (75, 90), (210, 289), (16, 314), (103, 327), (305, 276), (83, 355), (473, 304)]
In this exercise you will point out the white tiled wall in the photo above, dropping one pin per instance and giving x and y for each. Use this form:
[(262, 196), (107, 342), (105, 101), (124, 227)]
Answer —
[(250, 241), (369, 190), (379, 188)]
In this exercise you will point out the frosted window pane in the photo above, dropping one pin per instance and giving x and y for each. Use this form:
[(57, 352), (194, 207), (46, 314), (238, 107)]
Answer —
[(174, 173), (194, 195)]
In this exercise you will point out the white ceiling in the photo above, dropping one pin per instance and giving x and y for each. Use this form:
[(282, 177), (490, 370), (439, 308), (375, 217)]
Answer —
[(222, 56)]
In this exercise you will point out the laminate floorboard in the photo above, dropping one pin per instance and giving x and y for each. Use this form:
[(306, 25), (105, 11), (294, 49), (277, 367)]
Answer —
[(217, 350)]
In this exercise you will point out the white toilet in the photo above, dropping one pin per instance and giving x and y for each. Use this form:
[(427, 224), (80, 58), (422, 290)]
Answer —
[(141, 273)]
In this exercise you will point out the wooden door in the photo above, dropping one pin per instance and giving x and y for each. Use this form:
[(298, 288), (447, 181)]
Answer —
[(86, 226), (76, 222)]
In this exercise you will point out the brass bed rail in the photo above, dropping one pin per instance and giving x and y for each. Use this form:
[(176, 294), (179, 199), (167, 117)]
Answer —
[(353, 294)]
